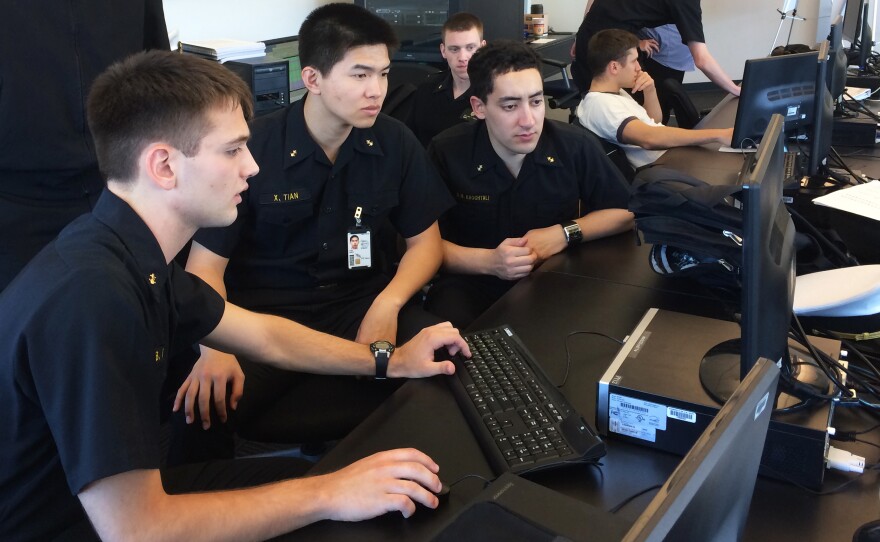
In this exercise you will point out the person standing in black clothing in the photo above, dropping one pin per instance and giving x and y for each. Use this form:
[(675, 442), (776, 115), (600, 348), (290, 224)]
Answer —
[(90, 328), (633, 15), (49, 55), (444, 99)]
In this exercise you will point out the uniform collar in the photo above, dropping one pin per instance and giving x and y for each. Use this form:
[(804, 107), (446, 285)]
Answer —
[(444, 84), (140, 242), (485, 157), (299, 145)]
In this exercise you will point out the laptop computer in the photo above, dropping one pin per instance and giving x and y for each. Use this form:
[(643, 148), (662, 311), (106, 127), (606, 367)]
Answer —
[(706, 498)]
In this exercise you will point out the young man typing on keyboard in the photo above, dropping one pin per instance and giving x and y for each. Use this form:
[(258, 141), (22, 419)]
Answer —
[(89, 329), (518, 179)]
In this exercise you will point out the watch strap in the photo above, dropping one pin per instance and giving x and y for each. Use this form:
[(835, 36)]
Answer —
[(382, 357)]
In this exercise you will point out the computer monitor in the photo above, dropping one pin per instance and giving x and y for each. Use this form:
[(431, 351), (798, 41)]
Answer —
[(865, 42), (768, 270), (708, 495), (415, 22), (706, 498), (782, 85), (823, 115), (836, 72), (852, 20), (287, 49)]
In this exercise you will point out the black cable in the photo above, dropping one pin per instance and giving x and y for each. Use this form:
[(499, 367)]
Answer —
[(845, 436), (856, 105), (868, 442), (844, 258), (819, 357), (631, 498), (568, 352), (857, 179), (836, 489), (486, 481)]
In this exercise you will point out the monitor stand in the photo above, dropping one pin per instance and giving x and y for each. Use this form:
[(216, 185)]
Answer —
[(720, 369)]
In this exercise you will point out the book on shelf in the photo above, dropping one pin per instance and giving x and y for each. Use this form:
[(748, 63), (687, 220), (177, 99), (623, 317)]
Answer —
[(223, 49)]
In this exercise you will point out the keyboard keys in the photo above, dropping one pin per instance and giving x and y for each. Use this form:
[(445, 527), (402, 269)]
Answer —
[(519, 409)]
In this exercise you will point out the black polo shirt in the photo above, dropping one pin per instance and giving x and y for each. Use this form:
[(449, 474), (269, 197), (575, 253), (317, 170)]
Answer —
[(290, 233), (434, 108), (565, 167), (61, 49), (633, 15), (86, 331)]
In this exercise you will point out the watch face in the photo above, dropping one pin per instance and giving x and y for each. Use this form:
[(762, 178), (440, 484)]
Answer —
[(381, 345)]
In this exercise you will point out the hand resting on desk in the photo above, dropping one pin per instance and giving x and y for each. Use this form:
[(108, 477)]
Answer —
[(389, 481), (216, 371)]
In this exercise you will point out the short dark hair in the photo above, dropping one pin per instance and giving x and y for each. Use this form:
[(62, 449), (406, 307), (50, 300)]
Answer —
[(607, 45), (461, 22), (157, 96), (498, 58), (332, 30)]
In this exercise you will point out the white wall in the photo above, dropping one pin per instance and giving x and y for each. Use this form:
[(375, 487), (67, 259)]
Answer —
[(251, 20), (735, 31)]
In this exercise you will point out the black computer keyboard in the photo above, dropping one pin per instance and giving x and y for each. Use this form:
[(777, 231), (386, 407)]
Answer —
[(523, 423), (794, 168)]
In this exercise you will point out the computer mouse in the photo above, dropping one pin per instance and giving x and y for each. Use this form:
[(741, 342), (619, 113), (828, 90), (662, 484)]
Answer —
[(443, 494), (442, 497), (869, 532)]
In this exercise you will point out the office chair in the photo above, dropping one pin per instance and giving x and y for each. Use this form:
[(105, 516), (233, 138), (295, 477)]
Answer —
[(686, 115), (403, 79), (562, 93), (612, 151)]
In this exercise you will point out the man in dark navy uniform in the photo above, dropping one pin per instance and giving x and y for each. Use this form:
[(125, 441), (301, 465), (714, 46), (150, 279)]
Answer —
[(527, 187), (332, 166), (88, 330), (444, 99)]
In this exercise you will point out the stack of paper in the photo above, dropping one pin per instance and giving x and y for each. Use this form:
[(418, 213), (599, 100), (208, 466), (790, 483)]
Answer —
[(224, 49), (863, 199)]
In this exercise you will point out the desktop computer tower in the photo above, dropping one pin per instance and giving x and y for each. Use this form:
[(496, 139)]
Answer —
[(651, 395), (268, 80)]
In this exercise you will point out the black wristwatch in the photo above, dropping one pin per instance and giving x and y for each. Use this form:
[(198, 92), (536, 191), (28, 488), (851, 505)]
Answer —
[(572, 232), (382, 351)]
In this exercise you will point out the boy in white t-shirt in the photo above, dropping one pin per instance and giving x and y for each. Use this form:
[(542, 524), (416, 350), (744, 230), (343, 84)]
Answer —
[(612, 114)]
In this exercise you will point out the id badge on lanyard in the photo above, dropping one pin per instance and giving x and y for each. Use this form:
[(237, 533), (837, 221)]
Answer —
[(359, 243)]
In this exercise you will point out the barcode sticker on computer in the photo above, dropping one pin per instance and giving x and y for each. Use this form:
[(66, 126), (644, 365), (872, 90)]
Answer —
[(683, 415), (635, 417)]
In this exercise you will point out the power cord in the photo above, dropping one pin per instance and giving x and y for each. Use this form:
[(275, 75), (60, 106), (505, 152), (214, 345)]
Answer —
[(832, 491), (568, 352), (486, 481), (615, 509)]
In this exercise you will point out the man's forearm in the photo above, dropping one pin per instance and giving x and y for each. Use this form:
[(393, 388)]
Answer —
[(707, 64), (605, 222), (247, 514), (288, 345), (465, 260), (417, 267), (652, 105)]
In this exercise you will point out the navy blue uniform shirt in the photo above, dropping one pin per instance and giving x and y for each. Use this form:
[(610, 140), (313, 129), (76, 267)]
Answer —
[(86, 332), (566, 167), (290, 234), (434, 108)]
